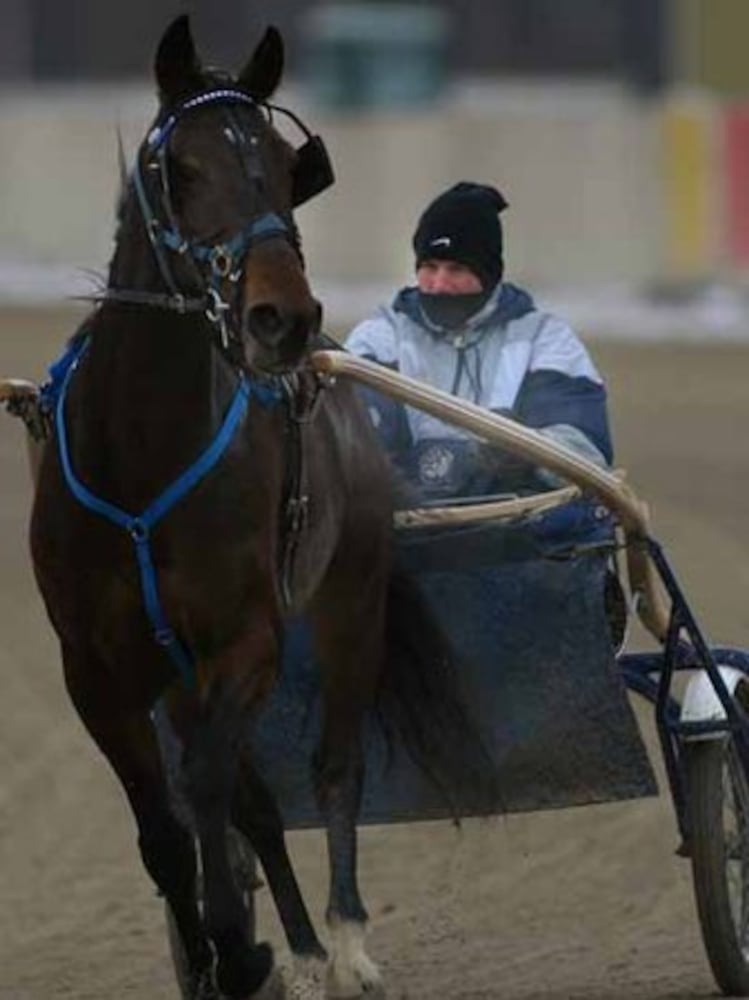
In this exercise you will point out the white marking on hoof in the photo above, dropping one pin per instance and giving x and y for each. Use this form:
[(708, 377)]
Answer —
[(351, 973), (306, 980)]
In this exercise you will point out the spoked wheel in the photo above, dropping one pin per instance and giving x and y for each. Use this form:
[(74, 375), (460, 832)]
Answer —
[(244, 866), (718, 794)]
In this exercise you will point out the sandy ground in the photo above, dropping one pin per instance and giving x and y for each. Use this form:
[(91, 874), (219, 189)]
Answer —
[(588, 903)]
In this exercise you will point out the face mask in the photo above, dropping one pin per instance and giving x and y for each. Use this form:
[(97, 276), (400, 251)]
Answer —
[(450, 311)]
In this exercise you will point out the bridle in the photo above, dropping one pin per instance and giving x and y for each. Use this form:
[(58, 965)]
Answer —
[(215, 265)]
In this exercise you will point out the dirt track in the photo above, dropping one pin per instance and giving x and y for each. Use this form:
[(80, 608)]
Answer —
[(580, 904)]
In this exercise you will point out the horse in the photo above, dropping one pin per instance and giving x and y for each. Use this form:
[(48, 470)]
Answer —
[(202, 484)]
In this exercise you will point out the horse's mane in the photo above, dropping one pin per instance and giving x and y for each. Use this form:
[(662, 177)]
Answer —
[(124, 173)]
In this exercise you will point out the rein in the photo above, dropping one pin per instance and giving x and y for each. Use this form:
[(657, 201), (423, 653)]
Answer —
[(139, 526), (177, 302)]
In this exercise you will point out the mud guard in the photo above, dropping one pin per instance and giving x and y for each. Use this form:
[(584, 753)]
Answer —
[(538, 674)]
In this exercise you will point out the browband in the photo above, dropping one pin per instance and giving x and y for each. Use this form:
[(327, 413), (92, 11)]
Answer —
[(160, 133)]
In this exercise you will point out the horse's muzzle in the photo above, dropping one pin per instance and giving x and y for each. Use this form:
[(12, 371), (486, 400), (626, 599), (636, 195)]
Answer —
[(281, 336)]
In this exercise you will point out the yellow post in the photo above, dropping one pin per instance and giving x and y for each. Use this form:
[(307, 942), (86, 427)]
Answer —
[(691, 188)]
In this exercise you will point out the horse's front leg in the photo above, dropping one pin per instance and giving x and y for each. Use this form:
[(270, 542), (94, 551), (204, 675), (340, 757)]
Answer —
[(234, 681), (348, 682), (351, 973), (255, 813), (127, 738)]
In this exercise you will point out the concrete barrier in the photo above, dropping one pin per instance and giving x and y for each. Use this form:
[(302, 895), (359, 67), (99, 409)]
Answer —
[(582, 166), (579, 166), (58, 170)]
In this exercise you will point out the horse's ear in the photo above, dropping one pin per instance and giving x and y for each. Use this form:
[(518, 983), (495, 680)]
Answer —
[(263, 72), (177, 66)]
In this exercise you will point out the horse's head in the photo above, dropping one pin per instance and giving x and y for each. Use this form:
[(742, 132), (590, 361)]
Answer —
[(217, 185)]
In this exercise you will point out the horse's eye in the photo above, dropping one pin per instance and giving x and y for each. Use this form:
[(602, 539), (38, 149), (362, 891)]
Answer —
[(186, 169)]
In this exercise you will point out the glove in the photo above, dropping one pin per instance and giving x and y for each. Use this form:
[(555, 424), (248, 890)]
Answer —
[(493, 460), (502, 472)]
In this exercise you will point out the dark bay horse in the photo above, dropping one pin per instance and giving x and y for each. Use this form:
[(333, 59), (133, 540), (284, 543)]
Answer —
[(201, 485)]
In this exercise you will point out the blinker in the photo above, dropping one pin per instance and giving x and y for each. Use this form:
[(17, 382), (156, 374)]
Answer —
[(313, 172)]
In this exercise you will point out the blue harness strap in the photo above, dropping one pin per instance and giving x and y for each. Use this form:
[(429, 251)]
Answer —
[(139, 526), (49, 391)]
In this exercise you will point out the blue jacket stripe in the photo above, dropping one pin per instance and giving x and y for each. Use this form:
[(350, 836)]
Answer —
[(551, 397)]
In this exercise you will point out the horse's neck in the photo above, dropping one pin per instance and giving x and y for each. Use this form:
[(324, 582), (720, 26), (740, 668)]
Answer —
[(156, 362), (134, 266), (152, 374), (152, 394)]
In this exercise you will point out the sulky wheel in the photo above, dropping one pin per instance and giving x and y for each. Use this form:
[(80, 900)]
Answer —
[(718, 813), (244, 866)]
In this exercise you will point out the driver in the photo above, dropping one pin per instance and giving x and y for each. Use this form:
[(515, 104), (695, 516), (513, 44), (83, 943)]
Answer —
[(464, 329)]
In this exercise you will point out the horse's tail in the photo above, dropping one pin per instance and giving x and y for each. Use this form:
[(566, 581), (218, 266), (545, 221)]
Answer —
[(420, 704)]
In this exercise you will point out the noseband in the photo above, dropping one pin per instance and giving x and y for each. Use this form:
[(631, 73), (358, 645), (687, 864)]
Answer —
[(214, 264)]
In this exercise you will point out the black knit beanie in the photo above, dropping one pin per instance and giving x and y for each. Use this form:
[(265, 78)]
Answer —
[(463, 225)]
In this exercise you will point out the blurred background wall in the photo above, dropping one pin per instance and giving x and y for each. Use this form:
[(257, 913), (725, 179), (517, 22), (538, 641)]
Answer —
[(617, 129)]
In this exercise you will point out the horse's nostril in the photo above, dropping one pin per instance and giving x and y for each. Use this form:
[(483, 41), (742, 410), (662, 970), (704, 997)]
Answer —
[(265, 323)]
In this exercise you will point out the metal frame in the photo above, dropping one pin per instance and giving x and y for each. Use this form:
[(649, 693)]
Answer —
[(652, 675)]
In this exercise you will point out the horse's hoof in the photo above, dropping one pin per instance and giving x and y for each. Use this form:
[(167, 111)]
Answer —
[(360, 978), (273, 988), (351, 973), (307, 980), (245, 979), (358, 984)]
